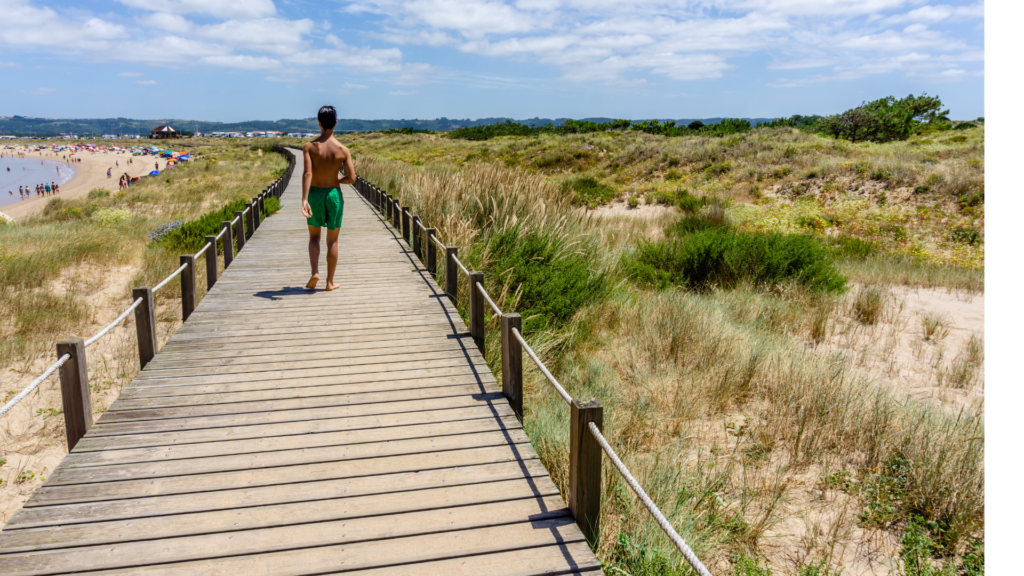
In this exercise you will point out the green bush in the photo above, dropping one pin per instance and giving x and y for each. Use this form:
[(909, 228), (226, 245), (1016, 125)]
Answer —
[(553, 283), (707, 256), (965, 235), (850, 247), (588, 191), (98, 193), (191, 236)]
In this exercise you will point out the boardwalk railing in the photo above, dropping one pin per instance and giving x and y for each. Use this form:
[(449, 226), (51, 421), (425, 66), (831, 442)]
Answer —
[(71, 359), (586, 441)]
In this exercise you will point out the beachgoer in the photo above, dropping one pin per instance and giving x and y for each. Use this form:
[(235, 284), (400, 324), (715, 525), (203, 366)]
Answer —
[(108, 172), (47, 186), (322, 201)]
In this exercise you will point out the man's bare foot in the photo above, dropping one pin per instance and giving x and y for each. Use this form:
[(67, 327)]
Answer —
[(312, 281), (331, 286)]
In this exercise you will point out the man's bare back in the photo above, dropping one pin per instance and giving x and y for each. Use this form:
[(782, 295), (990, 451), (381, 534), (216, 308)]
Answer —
[(323, 158)]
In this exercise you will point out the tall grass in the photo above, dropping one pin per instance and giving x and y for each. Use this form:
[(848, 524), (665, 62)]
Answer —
[(677, 369)]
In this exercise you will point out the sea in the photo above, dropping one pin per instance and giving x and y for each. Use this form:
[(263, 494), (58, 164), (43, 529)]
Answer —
[(29, 172)]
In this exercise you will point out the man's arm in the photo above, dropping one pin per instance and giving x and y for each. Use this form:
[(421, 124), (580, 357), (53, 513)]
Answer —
[(307, 178), (350, 170)]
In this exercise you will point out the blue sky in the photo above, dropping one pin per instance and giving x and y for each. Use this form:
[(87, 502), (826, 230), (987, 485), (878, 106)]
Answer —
[(234, 60)]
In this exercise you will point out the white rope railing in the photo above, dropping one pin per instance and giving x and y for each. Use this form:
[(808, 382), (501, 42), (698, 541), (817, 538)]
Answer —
[(235, 221), (110, 326), (459, 264), (35, 384), (543, 369), (222, 231), (674, 536), (169, 278), (438, 242), (201, 250), (487, 297)]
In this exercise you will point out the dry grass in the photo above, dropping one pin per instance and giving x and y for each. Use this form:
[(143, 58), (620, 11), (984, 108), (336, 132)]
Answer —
[(712, 399)]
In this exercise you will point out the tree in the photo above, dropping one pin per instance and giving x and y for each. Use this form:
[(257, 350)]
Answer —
[(885, 119), (695, 125)]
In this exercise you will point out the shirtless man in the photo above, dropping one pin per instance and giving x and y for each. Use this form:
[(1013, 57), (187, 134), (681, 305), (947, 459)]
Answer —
[(322, 202)]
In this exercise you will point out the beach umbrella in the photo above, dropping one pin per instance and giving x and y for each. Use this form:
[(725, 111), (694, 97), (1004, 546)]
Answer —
[(154, 173)]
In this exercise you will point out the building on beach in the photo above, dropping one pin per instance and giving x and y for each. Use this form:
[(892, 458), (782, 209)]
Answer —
[(164, 131)]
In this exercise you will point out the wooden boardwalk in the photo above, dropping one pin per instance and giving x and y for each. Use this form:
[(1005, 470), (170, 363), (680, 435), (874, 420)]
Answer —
[(286, 431)]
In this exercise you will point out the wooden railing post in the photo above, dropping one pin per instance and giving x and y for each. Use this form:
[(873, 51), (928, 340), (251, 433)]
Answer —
[(229, 244), (263, 206), (431, 251), (585, 467), (188, 286), (211, 262), (389, 206), (74, 390), (416, 248), (512, 363), (145, 324), (451, 274), (476, 309), (240, 230), (405, 225), (250, 225)]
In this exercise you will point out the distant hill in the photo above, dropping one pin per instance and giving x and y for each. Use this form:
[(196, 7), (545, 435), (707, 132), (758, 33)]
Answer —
[(28, 126)]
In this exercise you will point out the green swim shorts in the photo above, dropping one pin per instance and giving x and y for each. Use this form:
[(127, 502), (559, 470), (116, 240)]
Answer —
[(327, 205)]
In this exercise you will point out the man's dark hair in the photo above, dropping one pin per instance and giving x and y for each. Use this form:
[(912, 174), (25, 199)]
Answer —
[(328, 117)]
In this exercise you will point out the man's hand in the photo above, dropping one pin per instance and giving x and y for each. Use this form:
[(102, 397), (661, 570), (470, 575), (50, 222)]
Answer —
[(306, 210)]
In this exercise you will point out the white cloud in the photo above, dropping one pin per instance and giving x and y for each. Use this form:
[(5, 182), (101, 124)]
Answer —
[(241, 61), (147, 82), (218, 8), (403, 93), (130, 74), (9, 65), (802, 63), (39, 91), (936, 14)]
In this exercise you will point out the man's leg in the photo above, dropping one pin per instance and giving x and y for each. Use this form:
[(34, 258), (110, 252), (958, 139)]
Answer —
[(332, 256), (314, 256)]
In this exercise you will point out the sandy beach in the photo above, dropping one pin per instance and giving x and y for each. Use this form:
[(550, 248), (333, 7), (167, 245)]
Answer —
[(91, 173)]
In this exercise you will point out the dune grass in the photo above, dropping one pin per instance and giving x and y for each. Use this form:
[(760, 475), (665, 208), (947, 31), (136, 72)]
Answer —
[(710, 396)]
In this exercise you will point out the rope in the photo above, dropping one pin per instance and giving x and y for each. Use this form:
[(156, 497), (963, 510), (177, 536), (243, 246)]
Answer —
[(488, 299), (439, 244), (222, 231), (35, 384), (169, 278), (674, 536), (459, 263), (561, 391), (235, 220), (201, 250), (110, 326)]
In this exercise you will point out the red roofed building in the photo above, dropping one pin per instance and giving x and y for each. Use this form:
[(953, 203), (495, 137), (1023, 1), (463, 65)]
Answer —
[(164, 131)]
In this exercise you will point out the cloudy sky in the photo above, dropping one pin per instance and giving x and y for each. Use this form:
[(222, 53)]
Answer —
[(235, 60)]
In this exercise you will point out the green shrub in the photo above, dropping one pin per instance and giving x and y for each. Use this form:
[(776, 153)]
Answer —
[(965, 235), (850, 247), (98, 193), (633, 202), (716, 257), (70, 213), (553, 283), (588, 191), (639, 560), (191, 236), (673, 175)]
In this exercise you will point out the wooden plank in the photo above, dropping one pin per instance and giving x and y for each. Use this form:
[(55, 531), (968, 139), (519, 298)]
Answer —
[(374, 554), (272, 515), (126, 441), (48, 495), (249, 446), (268, 540), (64, 476), (104, 428), (398, 379)]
